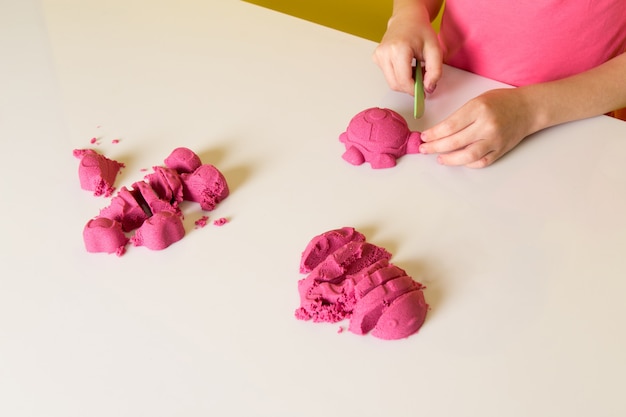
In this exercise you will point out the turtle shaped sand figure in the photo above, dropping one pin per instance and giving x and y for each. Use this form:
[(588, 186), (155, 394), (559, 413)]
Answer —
[(378, 136)]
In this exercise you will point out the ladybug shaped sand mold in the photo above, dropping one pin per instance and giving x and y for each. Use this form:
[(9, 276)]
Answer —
[(378, 136)]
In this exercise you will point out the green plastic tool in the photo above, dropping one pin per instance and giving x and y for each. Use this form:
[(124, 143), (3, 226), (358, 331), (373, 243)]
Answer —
[(418, 105)]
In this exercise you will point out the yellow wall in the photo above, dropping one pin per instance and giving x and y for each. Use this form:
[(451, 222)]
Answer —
[(364, 18)]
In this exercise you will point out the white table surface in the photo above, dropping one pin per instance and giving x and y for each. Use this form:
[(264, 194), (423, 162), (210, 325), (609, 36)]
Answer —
[(524, 261)]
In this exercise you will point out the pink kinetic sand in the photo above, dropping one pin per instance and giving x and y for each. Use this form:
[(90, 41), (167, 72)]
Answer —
[(183, 160), (147, 197), (167, 184), (353, 279), (125, 209), (205, 185), (323, 245), (152, 206), (96, 172), (201, 222), (220, 222), (104, 235), (159, 231), (378, 136), (347, 260)]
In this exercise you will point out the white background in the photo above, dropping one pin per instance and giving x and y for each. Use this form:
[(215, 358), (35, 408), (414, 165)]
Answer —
[(523, 261)]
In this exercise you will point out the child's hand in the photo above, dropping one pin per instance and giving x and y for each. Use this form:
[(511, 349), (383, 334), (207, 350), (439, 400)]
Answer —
[(481, 131), (407, 38)]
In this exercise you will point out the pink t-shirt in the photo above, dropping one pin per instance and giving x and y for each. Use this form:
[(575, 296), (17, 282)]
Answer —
[(525, 42)]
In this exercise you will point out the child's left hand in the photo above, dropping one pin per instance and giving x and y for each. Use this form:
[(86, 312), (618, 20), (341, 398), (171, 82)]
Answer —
[(481, 131)]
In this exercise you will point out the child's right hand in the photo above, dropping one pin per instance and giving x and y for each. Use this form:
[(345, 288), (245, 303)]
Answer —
[(407, 37)]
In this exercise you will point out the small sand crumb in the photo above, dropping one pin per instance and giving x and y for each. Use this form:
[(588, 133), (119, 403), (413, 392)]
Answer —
[(221, 221), (201, 222)]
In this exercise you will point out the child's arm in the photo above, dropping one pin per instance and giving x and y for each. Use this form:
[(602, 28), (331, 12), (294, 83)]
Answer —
[(410, 35), (591, 93), (493, 123)]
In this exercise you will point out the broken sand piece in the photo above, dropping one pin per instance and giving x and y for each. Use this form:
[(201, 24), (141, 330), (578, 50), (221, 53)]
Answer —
[(167, 184), (96, 172), (125, 209), (183, 160), (206, 185), (323, 245), (354, 280), (159, 231), (104, 235), (150, 207)]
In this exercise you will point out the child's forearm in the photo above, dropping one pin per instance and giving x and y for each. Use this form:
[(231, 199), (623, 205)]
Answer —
[(591, 93), (417, 8)]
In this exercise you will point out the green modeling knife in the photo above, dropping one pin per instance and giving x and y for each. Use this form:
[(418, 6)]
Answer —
[(418, 105)]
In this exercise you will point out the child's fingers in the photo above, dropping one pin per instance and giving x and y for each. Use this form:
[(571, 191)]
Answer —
[(402, 64), (454, 125), (448, 144), (474, 155), (433, 65), (396, 67)]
